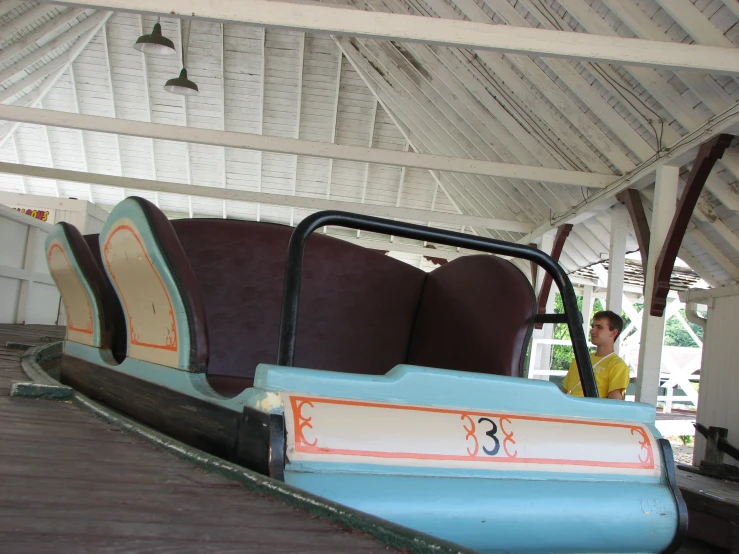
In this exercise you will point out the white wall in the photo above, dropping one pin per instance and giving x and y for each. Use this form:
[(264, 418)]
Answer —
[(27, 292)]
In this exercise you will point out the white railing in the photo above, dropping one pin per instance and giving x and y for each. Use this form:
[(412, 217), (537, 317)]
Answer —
[(678, 370)]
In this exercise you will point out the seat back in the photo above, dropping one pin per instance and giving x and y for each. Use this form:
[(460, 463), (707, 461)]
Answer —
[(158, 291), (86, 292), (476, 314), (357, 306)]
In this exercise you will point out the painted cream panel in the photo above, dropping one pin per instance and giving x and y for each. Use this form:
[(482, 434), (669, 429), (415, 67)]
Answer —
[(76, 301), (719, 384), (337, 430), (152, 327)]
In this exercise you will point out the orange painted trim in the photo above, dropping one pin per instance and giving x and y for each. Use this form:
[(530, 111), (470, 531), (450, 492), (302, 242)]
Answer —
[(301, 445), (170, 346), (70, 324)]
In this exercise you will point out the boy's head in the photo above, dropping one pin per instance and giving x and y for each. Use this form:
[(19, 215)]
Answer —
[(606, 325)]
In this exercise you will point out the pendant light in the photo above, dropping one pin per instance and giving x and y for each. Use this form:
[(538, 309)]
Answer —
[(182, 85), (155, 43)]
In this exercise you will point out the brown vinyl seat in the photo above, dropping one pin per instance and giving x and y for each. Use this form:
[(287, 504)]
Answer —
[(360, 311), (476, 314)]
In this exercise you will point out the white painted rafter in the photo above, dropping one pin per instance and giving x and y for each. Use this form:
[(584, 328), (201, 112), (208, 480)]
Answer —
[(695, 23), (403, 131), (47, 142), (262, 197), (7, 6), (261, 115), (462, 34), (113, 104), (147, 101), (302, 147), (48, 48), (299, 108), (26, 18), (24, 187), (224, 167), (365, 180), (59, 22), (188, 158), (334, 120), (83, 149), (47, 85)]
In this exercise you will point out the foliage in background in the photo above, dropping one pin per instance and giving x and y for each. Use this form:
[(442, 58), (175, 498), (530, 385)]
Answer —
[(675, 334)]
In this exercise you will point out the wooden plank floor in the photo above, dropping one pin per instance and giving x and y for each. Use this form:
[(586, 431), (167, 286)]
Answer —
[(71, 483)]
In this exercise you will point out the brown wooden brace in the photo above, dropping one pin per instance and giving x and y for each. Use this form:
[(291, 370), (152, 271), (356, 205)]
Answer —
[(546, 285), (708, 154), (633, 202)]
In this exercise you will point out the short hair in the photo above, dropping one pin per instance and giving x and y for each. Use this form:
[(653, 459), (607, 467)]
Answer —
[(614, 320)]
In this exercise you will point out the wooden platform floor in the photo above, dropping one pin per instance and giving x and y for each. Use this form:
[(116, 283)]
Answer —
[(71, 483)]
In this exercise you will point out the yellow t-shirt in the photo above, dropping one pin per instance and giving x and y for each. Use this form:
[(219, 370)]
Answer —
[(610, 375)]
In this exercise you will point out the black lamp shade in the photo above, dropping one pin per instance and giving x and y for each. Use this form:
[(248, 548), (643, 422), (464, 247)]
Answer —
[(155, 43), (181, 85)]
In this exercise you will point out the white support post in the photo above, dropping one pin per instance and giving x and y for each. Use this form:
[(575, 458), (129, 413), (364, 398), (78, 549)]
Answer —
[(334, 121), (152, 150), (112, 103), (188, 165), (367, 165), (73, 83), (296, 134), (587, 308), (653, 328), (24, 187), (616, 263), (223, 112), (27, 284), (261, 114), (50, 154)]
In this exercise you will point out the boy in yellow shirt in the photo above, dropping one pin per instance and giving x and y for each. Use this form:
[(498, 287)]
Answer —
[(611, 372)]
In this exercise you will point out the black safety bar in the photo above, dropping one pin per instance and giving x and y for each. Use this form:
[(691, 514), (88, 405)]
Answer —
[(293, 269)]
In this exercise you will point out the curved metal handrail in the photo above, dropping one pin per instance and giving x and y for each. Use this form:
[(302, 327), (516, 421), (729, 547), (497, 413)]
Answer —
[(293, 269)]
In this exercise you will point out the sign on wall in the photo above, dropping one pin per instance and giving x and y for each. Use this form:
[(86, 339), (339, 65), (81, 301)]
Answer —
[(42, 215)]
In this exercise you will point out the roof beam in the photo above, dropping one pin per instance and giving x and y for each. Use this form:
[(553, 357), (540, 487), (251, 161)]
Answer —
[(678, 154), (24, 187), (112, 104), (462, 34), (224, 168), (697, 25), (83, 149), (8, 6), (302, 147), (262, 197), (49, 47), (546, 284), (708, 153), (299, 109), (26, 18), (401, 129), (634, 205), (39, 34), (47, 85)]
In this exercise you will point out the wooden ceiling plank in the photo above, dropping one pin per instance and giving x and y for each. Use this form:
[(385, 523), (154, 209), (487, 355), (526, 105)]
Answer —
[(420, 128), (463, 34), (643, 27), (708, 153), (695, 23), (436, 117)]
